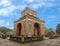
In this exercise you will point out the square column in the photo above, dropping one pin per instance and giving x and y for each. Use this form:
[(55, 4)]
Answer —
[(42, 29)]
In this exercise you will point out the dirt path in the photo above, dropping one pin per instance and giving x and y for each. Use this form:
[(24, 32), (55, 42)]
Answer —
[(50, 42)]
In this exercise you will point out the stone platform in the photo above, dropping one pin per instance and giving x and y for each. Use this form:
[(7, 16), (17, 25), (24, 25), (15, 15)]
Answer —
[(49, 42), (22, 39)]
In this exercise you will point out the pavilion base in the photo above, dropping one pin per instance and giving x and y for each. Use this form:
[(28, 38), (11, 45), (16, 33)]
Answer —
[(22, 39)]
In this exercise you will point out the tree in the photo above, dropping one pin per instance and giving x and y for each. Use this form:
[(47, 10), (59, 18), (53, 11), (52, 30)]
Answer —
[(5, 30), (46, 32), (58, 29), (49, 32)]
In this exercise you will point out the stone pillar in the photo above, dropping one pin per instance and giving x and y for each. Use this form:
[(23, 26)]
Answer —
[(27, 31), (39, 31), (32, 28), (22, 39), (42, 29), (29, 28), (23, 29), (24, 25), (15, 29)]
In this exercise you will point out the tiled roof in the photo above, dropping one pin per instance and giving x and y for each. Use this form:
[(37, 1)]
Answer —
[(29, 16)]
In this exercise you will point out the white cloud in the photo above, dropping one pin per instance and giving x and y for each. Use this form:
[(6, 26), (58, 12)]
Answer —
[(52, 17), (59, 10), (4, 23), (37, 5), (7, 24), (42, 3), (5, 3), (1, 21), (9, 7), (21, 6), (29, 1), (7, 11), (3, 12)]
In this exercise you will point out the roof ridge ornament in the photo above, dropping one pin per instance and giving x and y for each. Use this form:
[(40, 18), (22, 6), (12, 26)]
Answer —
[(28, 11)]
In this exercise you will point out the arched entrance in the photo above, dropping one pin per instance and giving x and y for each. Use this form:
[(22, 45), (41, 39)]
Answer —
[(19, 27), (36, 29)]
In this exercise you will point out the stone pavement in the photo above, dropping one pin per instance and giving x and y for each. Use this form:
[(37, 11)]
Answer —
[(50, 42)]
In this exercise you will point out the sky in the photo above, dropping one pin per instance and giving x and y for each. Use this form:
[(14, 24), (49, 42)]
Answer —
[(47, 10)]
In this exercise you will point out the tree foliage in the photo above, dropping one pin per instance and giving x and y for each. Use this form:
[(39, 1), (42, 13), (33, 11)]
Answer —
[(46, 31), (4, 30), (58, 29), (49, 32)]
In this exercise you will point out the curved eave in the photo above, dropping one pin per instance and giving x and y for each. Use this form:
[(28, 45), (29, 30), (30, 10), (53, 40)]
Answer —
[(31, 17)]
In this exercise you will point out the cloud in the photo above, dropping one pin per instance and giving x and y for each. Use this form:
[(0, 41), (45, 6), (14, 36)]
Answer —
[(4, 23), (9, 7), (39, 1), (59, 10), (30, 1), (7, 24), (7, 11), (52, 17), (1, 21), (5, 3), (42, 3), (37, 5), (21, 6)]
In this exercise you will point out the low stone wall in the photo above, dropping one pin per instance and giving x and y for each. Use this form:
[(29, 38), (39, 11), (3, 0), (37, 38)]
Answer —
[(22, 39), (54, 36)]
